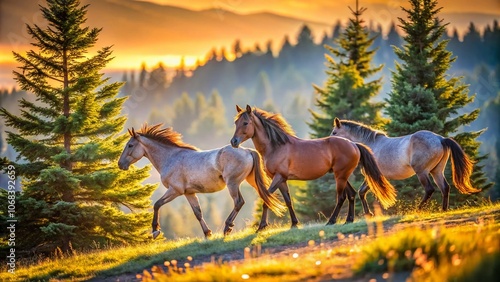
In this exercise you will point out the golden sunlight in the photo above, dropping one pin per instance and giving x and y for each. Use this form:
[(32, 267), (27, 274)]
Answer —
[(135, 60)]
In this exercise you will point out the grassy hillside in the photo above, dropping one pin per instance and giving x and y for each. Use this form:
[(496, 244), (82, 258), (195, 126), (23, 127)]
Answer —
[(431, 246)]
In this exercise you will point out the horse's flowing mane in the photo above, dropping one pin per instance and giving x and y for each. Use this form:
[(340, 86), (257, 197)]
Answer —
[(277, 129), (362, 131), (166, 136)]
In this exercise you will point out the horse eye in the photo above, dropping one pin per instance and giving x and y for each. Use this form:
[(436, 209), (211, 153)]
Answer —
[(333, 132), (245, 123), (130, 145)]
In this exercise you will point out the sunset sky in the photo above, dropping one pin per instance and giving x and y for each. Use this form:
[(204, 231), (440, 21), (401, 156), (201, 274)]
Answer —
[(322, 9), (153, 34)]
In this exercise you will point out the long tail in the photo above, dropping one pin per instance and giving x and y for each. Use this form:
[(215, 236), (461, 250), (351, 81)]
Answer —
[(263, 181), (379, 185), (461, 167)]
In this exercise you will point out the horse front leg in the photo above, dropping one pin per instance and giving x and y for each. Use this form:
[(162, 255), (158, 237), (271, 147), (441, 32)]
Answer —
[(167, 197), (277, 180), (234, 191), (195, 205)]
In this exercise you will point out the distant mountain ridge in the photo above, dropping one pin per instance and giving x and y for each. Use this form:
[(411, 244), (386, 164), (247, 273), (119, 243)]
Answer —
[(140, 27)]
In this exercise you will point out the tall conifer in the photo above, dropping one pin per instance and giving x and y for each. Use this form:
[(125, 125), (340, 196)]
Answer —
[(346, 94), (423, 97), (68, 142)]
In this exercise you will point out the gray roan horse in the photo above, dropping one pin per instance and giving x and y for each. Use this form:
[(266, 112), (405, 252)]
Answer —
[(185, 170), (421, 153)]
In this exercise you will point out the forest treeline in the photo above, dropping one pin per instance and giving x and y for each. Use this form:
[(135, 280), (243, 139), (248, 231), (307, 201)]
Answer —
[(281, 80), (199, 101)]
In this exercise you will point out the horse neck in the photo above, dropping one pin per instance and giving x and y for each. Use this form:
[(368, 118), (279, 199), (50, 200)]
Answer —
[(260, 139), (158, 153), (370, 141)]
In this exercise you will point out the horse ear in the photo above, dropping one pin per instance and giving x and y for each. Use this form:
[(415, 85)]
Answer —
[(337, 123), (249, 109), (133, 132), (238, 109), (130, 132)]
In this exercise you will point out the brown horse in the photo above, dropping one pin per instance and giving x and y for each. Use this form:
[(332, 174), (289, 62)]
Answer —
[(287, 157), (185, 170), (421, 153)]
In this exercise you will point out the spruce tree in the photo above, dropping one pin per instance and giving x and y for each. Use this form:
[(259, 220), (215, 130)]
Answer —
[(423, 97), (346, 94), (69, 142)]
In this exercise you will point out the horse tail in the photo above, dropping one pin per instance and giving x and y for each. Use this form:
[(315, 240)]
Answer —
[(461, 167), (380, 186), (263, 181)]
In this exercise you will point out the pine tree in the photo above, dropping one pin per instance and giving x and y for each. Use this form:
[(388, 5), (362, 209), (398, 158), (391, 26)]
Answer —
[(68, 142), (346, 95), (263, 90), (211, 124), (422, 97), (184, 113)]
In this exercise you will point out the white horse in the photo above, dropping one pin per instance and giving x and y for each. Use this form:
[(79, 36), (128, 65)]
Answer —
[(185, 170), (421, 153)]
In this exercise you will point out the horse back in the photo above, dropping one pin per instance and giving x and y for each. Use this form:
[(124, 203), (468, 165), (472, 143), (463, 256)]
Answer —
[(310, 159), (233, 160)]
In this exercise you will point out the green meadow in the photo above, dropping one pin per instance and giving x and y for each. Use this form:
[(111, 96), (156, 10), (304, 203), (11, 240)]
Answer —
[(458, 245)]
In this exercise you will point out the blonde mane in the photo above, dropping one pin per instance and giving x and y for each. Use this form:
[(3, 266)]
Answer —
[(166, 136)]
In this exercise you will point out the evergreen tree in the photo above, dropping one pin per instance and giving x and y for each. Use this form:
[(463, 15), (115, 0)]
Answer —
[(184, 113), (211, 125), (346, 95), (68, 142), (471, 46), (143, 75), (422, 97), (237, 50), (263, 90)]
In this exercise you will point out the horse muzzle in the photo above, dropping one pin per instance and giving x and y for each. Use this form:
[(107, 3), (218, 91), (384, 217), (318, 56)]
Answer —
[(235, 142), (123, 165)]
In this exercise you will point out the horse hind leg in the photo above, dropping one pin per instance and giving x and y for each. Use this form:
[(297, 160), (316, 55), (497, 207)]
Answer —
[(195, 205), (351, 196), (424, 179), (234, 191), (443, 185), (362, 195), (438, 176), (341, 197)]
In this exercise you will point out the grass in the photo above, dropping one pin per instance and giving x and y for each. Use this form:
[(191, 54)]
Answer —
[(363, 248)]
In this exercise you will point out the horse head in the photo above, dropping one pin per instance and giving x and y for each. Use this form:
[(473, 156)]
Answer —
[(244, 126), (132, 152)]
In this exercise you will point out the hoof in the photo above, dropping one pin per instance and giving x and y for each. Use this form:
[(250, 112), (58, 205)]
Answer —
[(262, 227), (349, 221), (156, 233), (208, 234), (330, 223), (227, 231)]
